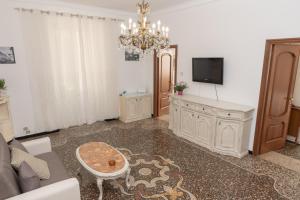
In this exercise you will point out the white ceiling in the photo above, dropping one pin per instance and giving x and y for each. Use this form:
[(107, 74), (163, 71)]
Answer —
[(129, 5)]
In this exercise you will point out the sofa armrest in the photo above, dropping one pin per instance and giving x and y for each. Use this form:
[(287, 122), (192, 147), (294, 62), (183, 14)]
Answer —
[(67, 189), (38, 146)]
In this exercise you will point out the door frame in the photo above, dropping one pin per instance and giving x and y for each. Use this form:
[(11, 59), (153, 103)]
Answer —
[(156, 76), (263, 88)]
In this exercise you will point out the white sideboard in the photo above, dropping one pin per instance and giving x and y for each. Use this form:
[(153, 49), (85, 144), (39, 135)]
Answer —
[(222, 127), (6, 128), (134, 107)]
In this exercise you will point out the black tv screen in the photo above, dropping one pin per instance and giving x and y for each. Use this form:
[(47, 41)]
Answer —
[(208, 70)]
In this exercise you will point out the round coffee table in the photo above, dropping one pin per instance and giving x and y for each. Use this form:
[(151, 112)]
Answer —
[(103, 161)]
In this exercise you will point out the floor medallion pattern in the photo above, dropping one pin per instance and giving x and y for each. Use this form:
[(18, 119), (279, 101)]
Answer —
[(153, 177), (185, 169)]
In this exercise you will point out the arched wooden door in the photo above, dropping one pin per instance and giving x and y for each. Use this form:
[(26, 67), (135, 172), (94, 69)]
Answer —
[(276, 98), (165, 78)]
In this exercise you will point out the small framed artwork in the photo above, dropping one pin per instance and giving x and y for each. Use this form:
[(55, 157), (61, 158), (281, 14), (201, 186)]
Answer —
[(7, 55), (131, 56)]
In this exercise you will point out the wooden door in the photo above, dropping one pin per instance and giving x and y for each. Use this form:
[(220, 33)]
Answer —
[(276, 96), (164, 79)]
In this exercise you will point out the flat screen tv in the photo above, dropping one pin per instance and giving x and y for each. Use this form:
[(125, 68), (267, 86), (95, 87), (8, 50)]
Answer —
[(208, 70)]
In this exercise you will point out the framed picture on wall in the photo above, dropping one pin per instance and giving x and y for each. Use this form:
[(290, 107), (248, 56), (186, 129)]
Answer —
[(131, 56), (7, 55)]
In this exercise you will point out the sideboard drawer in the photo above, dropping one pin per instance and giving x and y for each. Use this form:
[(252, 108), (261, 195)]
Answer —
[(231, 115), (205, 109), (189, 105)]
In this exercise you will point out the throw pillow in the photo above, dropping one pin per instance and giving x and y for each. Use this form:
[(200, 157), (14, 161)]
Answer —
[(40, 167), (28, 179), (16, 144)]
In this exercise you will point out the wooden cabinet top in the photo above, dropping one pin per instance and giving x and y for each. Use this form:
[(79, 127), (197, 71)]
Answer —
[(214, 103)]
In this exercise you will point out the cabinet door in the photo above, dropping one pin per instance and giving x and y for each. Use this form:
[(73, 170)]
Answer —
[(176, 118), (132, 108), (4, 113), (204, 129), (227, 135), (187, 123), (145, 105), (6, 129)]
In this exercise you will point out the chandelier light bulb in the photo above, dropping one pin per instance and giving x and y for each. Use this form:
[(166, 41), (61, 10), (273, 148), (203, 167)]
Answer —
[(158, 25), (145, 20), (141, 38)]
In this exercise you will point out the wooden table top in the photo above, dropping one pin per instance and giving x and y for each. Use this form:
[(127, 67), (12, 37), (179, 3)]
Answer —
[(98, 154)]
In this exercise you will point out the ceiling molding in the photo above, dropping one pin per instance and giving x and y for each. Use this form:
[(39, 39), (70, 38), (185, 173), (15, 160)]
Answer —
[(183, 6), (56, 5)]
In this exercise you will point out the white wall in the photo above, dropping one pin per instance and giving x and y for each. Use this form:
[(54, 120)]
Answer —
[(133, 75), (136, 75), (236, 30)]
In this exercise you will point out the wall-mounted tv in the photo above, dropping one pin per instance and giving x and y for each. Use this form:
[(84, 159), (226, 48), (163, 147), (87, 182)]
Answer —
[(208, 70)]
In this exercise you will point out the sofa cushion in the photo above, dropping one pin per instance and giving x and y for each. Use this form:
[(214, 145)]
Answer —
[(56, 167), (28, 179), (8, 177), (39, 166), (16, 144)]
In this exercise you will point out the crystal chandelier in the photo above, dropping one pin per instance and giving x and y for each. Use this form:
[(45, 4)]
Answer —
[(142, 37)]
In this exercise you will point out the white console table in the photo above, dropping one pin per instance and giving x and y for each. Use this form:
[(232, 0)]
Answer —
[(134, 107), (6, 128), (222, 127)]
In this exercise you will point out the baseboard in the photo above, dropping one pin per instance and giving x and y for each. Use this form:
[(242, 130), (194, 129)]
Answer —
[(37, 134), (112, 119)]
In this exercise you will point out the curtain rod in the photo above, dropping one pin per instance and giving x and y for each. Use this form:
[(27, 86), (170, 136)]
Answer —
[(68, 14)]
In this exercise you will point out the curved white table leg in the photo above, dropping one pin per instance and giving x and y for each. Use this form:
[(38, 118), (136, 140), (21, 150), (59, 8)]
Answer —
[(127, 178), (99, 183)]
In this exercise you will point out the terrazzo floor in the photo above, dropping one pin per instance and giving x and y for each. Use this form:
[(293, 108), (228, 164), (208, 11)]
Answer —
[(165, 166), (292, 150)]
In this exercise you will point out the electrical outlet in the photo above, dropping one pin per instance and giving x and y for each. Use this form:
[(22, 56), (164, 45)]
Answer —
[(26, 130)]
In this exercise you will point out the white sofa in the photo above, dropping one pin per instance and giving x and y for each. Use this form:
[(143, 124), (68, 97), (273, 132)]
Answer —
[(63, 189)]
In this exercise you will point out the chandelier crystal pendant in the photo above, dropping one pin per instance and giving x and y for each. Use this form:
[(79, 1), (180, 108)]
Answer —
[(141, 37)]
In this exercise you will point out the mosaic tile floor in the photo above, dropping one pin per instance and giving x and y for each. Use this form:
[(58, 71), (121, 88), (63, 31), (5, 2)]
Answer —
[(167, 167)]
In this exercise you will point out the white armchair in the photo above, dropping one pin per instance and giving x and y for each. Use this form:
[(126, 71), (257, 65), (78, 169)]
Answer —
[(65, 189)]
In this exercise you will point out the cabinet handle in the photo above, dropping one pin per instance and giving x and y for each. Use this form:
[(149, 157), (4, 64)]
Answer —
[(187, 105), (219, 123), (203, 109), (193, 115), (136, 99), (229, 114), (198, 117), (176, 110)]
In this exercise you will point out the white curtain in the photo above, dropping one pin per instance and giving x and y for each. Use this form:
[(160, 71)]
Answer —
[(72, 68)]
